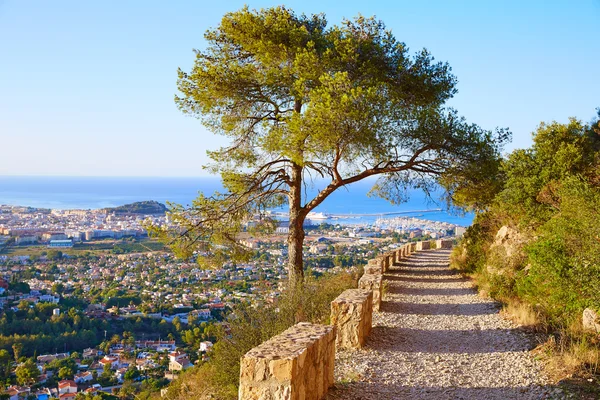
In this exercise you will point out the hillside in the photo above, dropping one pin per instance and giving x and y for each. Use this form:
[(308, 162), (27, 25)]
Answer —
[(536, 247), (140, 207)]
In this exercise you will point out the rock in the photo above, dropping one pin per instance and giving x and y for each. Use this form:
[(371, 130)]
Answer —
[(296, 364), (352, 315), (591, 320), (374, 267), (423, 245), (374, 283), (443, 244), (506, 251)]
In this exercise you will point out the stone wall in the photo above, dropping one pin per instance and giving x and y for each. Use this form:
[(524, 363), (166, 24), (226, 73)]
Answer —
[(298, 364), (391, 260), (375, 284), (294, 365), (352, 315), (423, 245), (374, 267), (444, 243)]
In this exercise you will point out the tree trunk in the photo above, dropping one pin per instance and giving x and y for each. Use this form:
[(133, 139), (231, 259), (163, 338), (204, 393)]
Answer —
[(296, 234)]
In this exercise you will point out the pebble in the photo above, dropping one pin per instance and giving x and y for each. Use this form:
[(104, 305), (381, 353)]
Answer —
[(435, 338)]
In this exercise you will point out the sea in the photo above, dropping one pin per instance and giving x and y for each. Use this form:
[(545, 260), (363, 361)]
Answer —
[(351, 204)]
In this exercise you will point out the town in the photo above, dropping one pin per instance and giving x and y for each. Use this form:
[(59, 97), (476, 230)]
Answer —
[(90, 304)]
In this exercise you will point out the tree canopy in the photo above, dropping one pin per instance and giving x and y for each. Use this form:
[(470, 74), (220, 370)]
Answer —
[(302, 101)]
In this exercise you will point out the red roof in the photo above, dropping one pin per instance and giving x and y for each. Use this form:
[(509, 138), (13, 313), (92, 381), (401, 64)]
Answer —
[(63, 384)]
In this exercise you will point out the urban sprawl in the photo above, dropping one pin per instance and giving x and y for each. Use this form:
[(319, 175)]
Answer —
[(91, 304)]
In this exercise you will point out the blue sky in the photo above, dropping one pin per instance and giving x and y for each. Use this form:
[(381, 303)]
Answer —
[(86, 87)]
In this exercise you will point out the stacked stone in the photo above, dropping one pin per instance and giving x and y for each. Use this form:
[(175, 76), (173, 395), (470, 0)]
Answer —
[(296, 364), (390, 260), (352, 315), (423, 245), (444, 244), (373, 283), (374, 267), (413, 247), (384, 262), (399, 255)]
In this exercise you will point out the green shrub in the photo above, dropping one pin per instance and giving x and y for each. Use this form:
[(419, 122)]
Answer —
[(564, 277)]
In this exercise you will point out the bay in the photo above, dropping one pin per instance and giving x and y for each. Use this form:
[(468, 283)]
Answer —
[(99, 192)]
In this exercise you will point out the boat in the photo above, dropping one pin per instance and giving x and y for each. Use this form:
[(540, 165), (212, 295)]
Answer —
[(317, 216)]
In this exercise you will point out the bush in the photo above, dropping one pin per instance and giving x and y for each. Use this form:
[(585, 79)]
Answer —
[(551, 198), (564, 273)]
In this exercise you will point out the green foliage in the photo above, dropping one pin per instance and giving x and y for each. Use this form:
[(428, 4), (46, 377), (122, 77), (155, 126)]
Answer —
[(132, 373), (5, 364), (122, 301), (140, 207), (19, 287), (564, 274), (533, 175), (551, 197), (54, 254), (301, 100), (65, 368), (27, 373)]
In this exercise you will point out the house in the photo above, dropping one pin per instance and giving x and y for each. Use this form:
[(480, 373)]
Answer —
[(17, 392), (92, 353), (83, 377), (216, 306), (179, 361), (120, 374), (318, 248), (43, 394), (109, 360), (203, 314), (158, 345), (206, 346), (67, 387), (415, 233), (48, 358), (96, 366), (145, 363), (48, 298)]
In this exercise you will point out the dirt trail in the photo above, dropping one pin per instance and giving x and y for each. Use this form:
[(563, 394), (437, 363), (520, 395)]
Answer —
[(435, 338)]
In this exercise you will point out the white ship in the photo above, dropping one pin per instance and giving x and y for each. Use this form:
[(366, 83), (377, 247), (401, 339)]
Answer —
[(317, 216)]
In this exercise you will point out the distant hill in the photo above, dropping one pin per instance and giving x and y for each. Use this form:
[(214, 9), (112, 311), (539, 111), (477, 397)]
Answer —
[(140, 207)]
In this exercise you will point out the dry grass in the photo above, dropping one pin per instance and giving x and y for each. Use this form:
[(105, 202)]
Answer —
[(566, 358), (524, 315)]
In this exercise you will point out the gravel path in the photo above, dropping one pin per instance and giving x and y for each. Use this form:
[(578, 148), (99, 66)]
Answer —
[(435, 338)]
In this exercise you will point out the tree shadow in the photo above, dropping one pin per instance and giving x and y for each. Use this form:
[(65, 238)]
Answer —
[(439, 309), (382, 390), (431, 291), (471, 341), (441, 272), (391, 277), (404, 266)]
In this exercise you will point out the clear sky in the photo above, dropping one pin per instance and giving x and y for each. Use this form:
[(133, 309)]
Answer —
[(87, 87)]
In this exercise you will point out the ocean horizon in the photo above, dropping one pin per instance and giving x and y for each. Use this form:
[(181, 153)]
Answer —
[(75, 192)]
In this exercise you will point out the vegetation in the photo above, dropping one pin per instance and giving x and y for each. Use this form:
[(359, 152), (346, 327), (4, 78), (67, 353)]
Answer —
[(545, 261), (301, 100), (27, 373), (140, 207)]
